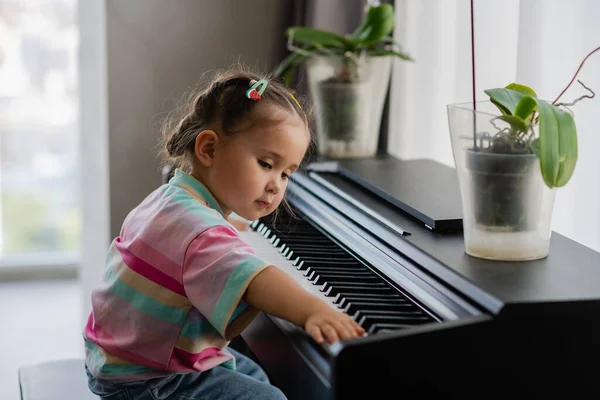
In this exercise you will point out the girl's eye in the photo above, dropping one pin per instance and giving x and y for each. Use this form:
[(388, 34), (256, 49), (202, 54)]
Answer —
[(264, 164), (285, 176)]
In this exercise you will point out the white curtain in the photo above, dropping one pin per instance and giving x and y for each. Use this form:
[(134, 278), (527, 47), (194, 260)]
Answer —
[(539, 43)]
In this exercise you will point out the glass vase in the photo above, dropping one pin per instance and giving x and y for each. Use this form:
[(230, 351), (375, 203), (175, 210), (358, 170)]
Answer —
[(348, 108), (507, 207)]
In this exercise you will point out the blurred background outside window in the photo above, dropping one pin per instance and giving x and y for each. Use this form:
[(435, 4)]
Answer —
[(40, 218)]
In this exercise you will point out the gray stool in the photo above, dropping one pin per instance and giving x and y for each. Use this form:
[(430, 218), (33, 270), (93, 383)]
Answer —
[(55, 380)]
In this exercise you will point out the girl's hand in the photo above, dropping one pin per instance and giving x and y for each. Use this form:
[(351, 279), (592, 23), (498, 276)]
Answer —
[(332, 325)]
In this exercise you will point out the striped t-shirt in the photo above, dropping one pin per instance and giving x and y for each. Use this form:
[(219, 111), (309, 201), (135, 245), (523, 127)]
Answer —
[(171, 296)]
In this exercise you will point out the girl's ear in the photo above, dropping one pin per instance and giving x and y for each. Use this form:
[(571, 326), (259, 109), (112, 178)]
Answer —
[(204, 148)]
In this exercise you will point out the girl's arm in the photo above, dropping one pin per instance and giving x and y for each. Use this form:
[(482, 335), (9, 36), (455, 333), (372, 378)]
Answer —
[(275, 292)]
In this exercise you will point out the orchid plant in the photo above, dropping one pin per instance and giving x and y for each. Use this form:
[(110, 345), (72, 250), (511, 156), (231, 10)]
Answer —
[(556, 141)]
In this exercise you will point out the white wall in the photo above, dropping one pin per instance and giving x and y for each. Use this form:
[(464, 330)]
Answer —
[(156, 51)]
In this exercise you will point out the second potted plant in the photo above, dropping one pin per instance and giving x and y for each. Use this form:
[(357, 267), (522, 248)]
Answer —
[(348, 78), (511, 153)]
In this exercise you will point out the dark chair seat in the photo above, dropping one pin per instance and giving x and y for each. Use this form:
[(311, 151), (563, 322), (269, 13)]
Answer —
[(55, 380)]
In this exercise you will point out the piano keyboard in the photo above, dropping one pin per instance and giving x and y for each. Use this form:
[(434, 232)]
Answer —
[(265, 250), (329, 272)]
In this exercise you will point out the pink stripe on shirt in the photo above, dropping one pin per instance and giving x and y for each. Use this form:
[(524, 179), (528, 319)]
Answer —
[(203, 361), (148, 271), (96, 334)]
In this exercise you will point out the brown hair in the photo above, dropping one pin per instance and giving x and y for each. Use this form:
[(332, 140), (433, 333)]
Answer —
[(223, 102)]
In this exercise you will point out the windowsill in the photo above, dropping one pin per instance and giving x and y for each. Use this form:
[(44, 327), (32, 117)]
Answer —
[(41, 266)]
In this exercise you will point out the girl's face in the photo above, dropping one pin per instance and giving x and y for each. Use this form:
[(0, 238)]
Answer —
[(251, 168)]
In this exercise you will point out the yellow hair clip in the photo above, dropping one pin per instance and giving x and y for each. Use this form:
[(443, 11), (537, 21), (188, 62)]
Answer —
[(296, 100)]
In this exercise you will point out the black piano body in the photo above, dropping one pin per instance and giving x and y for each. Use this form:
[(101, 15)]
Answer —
[(451, 326)]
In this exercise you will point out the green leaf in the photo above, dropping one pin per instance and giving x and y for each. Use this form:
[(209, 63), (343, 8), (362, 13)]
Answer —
[(316, 37), (516, 123), (383, 52), (502, 109), (287, 67), (549, 151), (557, 144), (360, 35), (525, 107), (377, 24), (505, 98), (526, 90), (567, 143)]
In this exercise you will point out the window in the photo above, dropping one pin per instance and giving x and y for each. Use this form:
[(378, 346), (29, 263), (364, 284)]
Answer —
[(39, 117)]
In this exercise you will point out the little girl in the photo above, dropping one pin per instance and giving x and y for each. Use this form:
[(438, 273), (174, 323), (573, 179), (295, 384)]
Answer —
[(179, 282)]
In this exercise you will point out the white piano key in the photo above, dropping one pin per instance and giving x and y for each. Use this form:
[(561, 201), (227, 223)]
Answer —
[(265, 249)]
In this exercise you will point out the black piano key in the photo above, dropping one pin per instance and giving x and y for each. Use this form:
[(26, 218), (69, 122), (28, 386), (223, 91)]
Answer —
[(316, 241), (351, 269), (357, 285), (390, 294), (327, 265), (321, 257), (312, 272), (369, 320), (343, 300), (292, 227), (352, 307), (344, 272), (321, 254), (333, 278), (334, 290), (299, 231), (302, 264), (398, 313), (296, 229), (316, 246), (306, 233)]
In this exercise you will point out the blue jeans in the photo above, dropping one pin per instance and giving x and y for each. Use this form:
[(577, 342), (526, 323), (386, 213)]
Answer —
[(249, 382)]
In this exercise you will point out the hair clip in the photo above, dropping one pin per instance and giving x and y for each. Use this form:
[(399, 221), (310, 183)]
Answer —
[(256, 90), (296, 100)]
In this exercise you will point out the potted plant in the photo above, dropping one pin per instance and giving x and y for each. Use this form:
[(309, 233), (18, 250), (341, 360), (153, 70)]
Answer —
[(511, 154), (348, 78)]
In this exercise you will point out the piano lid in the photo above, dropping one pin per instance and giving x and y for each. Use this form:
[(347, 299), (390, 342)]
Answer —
[(425, 189)]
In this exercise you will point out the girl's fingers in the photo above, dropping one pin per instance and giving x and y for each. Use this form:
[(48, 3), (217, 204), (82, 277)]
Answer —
[(354, 329), (357, 328), (351, 325), (315, 332), (335, 329), (330, 333), (343, 330)]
